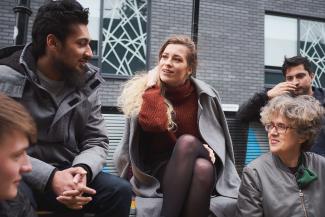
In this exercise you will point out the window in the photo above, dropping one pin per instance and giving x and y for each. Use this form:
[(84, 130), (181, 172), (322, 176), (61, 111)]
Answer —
[(287, 36), (94, 24), (280, 39), (118, 29), (312, 45)]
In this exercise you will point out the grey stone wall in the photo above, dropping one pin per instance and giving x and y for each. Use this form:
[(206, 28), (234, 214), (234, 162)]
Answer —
[(231, 42)]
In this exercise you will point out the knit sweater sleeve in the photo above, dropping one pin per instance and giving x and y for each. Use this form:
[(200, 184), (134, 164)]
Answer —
[(153, 112)]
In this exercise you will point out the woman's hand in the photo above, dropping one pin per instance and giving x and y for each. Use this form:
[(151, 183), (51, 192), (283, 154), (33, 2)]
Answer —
[(211, 153), (152, 77)]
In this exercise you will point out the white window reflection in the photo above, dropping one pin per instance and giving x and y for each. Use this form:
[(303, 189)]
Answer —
[(94, 21), (280, 39)]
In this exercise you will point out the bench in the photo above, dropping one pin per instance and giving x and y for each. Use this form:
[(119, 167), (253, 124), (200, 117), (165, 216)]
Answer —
[(249, 141)]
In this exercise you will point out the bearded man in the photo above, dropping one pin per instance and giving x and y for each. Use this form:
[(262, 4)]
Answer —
[(51, 77), (298, 81)]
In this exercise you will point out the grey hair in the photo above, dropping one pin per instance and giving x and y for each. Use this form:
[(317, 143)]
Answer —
[(304, 113)]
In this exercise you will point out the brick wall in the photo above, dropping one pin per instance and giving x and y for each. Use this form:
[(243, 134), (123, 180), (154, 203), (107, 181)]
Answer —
[(230, 43)]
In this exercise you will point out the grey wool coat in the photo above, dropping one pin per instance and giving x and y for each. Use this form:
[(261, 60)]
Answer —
[(213, 129)]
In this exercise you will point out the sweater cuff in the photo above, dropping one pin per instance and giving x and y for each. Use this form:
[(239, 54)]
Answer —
[(48, 186), (264, 96)]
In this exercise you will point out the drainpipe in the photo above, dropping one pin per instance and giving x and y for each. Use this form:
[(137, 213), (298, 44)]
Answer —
[(195, 20), (22, 11), (195, 23)]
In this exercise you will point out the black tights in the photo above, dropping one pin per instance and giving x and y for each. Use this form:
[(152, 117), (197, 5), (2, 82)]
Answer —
[(188, 180)]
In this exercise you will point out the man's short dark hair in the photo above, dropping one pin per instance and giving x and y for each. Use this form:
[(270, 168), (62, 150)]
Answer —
[(296, 61), (57, 18)]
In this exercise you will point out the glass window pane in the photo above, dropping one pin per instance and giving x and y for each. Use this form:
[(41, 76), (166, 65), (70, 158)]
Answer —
[(124, 36), (93, 25), (312, 45), (273, 77), (280, 39)]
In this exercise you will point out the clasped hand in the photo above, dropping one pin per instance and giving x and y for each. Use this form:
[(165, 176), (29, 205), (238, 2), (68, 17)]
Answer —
[(70, 185)]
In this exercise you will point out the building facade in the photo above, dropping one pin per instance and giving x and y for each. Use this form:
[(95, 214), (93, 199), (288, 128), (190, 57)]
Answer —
[(241, 44)]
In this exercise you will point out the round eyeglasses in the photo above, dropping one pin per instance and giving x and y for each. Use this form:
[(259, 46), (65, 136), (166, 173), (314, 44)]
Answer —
[(279, 127)]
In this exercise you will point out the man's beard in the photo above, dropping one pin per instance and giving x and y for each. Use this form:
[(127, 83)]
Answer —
[(301, 91), (71, 76)]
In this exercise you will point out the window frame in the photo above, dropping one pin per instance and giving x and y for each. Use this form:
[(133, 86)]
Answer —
[(276, 69)]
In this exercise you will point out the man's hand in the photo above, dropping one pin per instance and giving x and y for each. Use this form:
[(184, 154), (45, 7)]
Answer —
[(63, 180), (281, 88), (74, 199), (73, 202), (73, 185)]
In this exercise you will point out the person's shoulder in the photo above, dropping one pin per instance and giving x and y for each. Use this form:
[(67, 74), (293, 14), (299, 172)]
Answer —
[(319, 93), (316, 163), (9, 62), (11, 51), (311, 156), (203, 87), (261, 161), (12, 81)]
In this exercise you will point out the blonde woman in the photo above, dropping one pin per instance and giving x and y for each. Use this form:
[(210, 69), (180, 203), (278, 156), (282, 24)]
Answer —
[(287, 181), (176, 140)]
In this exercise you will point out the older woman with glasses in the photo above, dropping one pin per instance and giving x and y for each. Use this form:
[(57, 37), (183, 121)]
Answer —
[(287, 181)]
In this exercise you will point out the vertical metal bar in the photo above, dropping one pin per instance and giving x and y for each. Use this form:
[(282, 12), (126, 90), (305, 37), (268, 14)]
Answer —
[(100, 36), (23, 12), (298, 36), (195, 24), (195, 20), (148, 30)]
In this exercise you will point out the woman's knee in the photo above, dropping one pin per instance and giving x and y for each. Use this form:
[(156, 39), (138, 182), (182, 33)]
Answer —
[(204, 172), (187, 144)]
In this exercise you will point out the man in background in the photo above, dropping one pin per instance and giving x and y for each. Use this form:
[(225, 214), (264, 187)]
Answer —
[(298, 81)]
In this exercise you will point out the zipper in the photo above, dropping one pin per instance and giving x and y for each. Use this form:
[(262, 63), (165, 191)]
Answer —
[(301, 195), (199, 111)]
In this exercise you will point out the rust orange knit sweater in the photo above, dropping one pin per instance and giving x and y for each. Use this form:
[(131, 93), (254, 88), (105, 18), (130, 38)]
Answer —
[(157, 141)]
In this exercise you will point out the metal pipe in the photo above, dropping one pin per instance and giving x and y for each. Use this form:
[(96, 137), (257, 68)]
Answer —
[(23, 12), (195, 20)]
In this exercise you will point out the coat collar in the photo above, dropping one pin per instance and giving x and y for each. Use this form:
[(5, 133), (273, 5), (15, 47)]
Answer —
[(93, 79), (203, 88), (278, 162), (92, 84)]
